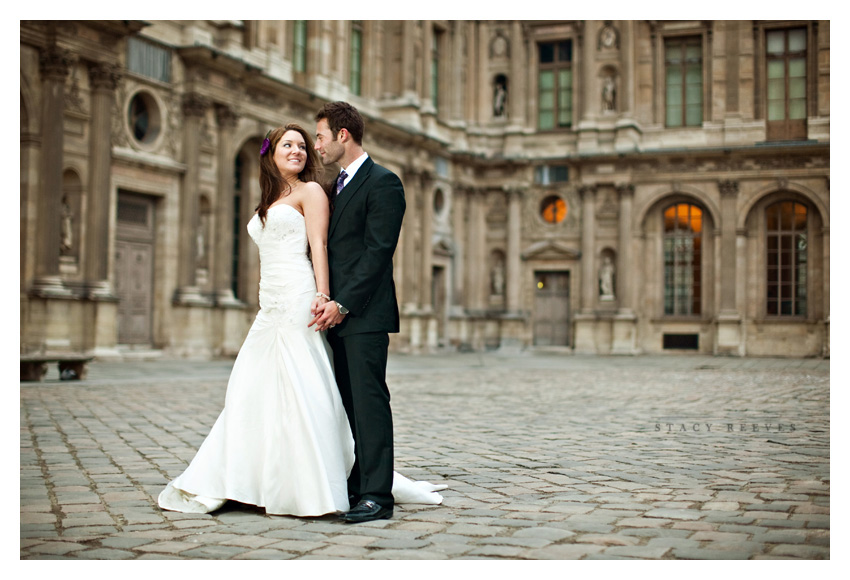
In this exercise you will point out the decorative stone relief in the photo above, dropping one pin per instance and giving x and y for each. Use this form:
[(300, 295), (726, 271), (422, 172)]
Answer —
[(500, 47), (609, 37), (73, 100), (120, 137), (728, 187)]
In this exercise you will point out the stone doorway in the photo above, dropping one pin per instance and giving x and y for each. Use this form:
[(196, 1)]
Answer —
[(552, 309), (134, 251), (438, 301)]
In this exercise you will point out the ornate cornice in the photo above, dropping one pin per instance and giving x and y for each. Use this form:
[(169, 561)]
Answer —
[(587, 190), (728, 187), (104, 76), (54, 63), (625, 189), (195, 105), (226, 116)]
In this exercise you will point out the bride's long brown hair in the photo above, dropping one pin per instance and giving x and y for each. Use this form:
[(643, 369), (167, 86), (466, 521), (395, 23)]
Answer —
[(272, 184)]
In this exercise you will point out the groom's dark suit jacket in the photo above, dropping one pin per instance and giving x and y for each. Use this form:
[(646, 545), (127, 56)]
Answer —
[(362, 237)]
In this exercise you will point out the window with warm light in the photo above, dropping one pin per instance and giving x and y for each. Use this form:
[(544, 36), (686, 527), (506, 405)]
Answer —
[(683, 227), (553, 209), (787, 259)]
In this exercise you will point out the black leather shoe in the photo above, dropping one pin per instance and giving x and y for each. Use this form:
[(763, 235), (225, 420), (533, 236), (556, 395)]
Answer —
[(365, 511)]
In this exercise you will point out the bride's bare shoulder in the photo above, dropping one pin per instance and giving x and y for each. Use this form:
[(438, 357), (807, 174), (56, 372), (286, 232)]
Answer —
[(312, 188)]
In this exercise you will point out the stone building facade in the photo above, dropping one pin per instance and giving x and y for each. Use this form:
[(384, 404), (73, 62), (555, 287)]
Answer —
[(604, 187)]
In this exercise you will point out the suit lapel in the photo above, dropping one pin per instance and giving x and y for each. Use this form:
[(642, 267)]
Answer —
[(349, 191)]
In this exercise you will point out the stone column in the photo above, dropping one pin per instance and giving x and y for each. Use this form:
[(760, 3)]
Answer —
[(514, 264), (408, 72), (427, 217), (588, 254), (624, 256), (624, 339), (104, 79), (825, 289), (729, 339), (54, 66), (410, 294), (194, 109), (411, 324), (585, 320), (223, 252), (425, 96), (517, 84), (470, 103), (459, 200), (512, 324), (456, 92), (485, 93), (477, 277)]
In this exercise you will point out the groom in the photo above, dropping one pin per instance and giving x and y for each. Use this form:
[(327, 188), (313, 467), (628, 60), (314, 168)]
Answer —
[(362, 236)]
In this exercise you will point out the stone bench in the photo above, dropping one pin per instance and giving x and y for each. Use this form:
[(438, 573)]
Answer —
[(72, 367)]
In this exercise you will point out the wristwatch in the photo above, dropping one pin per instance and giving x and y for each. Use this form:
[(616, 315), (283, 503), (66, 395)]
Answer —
[(342, 309)]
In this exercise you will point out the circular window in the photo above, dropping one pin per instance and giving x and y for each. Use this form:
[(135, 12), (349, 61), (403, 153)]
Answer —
[(553, 209), (439, 201), (143, 118)]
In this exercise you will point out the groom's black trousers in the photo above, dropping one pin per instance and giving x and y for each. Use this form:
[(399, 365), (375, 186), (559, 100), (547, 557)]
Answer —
[(360, 365)]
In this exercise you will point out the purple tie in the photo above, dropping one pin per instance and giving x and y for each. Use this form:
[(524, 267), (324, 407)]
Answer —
[(340, 181)]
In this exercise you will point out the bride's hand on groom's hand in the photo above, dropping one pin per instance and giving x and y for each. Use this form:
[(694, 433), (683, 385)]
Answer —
[(316, 305), (326, 316)]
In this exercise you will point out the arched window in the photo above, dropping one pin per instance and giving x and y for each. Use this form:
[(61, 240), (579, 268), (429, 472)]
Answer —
[(299, 56), (355, 78), (237, 227), (683, 234), (787, 258)]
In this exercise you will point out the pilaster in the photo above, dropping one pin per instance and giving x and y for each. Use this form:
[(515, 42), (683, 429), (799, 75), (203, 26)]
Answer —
[(104, 79), (195, 108), (226, 118), (624, 327), (585, 321), (54, 66), (729, 333), (514, 262)]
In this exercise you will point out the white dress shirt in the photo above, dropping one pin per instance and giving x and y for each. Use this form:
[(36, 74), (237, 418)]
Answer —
[(353, 167)]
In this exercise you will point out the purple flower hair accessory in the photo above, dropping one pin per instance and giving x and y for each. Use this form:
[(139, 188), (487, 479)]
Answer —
[(266, 145)]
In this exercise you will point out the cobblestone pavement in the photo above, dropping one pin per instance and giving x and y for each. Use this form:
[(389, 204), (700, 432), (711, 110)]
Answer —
[(546, 455)]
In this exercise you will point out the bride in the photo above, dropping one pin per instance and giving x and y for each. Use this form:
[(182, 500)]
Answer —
[(282, 441)]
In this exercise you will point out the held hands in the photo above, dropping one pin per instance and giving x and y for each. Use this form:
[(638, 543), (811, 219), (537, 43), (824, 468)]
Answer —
[(325, 313), (317, 303)]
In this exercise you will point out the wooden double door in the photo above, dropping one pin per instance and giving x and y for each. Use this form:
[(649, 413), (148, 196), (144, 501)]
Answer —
[(552, 309), (134, 268)]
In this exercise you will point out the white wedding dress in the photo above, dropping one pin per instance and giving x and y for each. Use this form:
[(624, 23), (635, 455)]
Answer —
[(282, 441)]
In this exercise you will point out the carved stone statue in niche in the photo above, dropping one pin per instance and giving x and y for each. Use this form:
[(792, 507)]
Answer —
[(497, 278), (500, 99), (67, 232), (606, 279), (200, 240), (609, 94)]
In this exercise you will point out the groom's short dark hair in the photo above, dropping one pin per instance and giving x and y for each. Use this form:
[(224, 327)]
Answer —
[(341, 115)]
